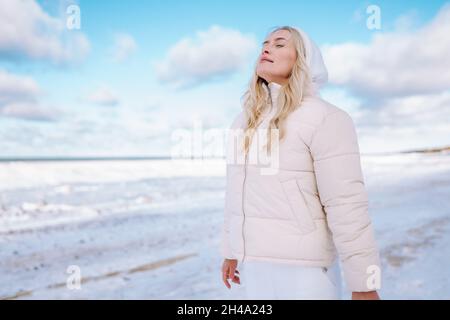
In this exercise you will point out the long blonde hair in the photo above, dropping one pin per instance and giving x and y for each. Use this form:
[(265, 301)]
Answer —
[(256, 99)]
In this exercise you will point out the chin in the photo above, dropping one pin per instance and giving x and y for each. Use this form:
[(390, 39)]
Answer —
[(263, 73)]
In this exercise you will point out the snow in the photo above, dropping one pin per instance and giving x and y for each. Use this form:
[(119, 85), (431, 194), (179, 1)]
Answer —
[(150, 229)]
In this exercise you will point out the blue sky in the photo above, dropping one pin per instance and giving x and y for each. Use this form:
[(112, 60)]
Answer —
[(102, 90)]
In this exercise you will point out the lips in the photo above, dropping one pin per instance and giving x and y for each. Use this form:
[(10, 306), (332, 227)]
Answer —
[(266, 59)]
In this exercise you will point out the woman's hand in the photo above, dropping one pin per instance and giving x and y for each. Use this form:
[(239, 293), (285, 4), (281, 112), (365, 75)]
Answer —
[(229, 272), (371, 295)]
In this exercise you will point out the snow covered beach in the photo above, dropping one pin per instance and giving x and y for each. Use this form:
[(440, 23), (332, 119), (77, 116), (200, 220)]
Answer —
[(150, 229)]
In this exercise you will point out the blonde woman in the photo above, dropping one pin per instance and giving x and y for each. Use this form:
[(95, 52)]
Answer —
[(287, 226)]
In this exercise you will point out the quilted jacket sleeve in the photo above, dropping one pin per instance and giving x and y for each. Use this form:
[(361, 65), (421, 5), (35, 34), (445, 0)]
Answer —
[(225, 247), (335, 151), (225, 236)]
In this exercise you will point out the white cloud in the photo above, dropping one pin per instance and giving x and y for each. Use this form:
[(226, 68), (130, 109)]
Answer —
[(406, 21), (395, 63), (13, 88), (29, 111), (103, 96), (19, 98), (124, 47), (404, 123), (26, 31), (396, 87), (214, 52), (343, 99)]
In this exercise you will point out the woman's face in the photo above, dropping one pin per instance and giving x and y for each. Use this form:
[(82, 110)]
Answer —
[(277, 57)]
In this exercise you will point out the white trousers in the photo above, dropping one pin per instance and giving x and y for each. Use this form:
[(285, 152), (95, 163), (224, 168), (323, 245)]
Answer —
[(263, 280)]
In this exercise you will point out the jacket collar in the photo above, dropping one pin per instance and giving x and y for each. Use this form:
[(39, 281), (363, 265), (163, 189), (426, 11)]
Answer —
[(273, 90)]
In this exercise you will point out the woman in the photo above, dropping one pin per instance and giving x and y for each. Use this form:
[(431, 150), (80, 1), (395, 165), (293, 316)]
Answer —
[(288, 224)]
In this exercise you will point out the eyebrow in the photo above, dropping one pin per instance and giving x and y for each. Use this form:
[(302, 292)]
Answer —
[(276, 39)]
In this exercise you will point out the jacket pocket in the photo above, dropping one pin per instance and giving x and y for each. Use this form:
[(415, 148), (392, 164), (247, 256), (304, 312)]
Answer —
[(298, 206)]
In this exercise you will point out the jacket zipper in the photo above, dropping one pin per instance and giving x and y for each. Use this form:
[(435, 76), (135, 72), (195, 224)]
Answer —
[(243, 211), (243, 195), (243, 198)]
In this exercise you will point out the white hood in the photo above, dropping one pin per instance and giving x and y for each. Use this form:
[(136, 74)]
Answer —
[(314, 60)]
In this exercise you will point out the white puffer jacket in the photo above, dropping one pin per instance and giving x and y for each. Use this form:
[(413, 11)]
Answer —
[(313, 203)]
